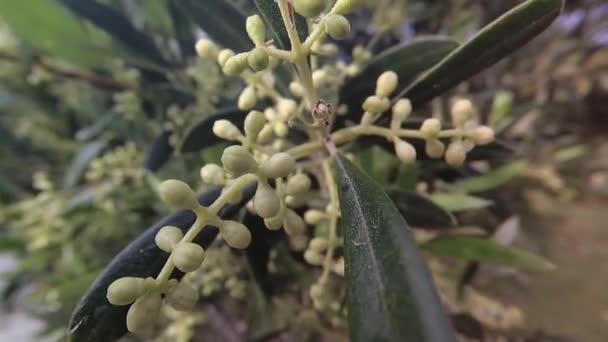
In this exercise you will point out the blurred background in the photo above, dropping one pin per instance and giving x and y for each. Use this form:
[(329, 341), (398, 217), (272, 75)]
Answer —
[(95, 97)]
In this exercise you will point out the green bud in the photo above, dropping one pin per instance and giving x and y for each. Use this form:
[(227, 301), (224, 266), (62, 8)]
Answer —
[(177, 194), (206, 48), (223, 56), (254, 123), (235, 234), (238, 160), (167, 237), (265, 201), (375, 104), (126, 290), (182, 297), (188, 256), (298, 184), (337, 26), (247, 99), (279, 165), (213, 174), (258, 59), (386, 84), (265, 134), (293, 223), (236, 64), (226, 130), (280, 129), (256, 29), (309, 8), (434, 148), (430, 128), (343, 7), (405, 151), (456, 154), (144, 312)]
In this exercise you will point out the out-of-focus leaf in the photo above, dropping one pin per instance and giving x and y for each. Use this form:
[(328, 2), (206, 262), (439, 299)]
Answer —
[(51, 28), (7, 244), (570, 153), (221, 20), (420, 211), (492, 179), (201, 135), (81, 161), (96, 128), (390, 293), (95, 319), (497, 40), (183, 27), (269, 9), (473, 248), (459, 201), (160, 152)]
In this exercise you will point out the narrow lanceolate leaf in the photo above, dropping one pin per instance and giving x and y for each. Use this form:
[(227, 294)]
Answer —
[(95, 319), (491, 44), (201, 134), (390, 293), (473, 248), (221, 20), (492, 179), (160, 152), (269, 10), (420, 211), (458, 201), (81, 161)]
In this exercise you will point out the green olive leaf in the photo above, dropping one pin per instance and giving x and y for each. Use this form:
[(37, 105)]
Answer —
[(497, 40), (458, 201), (490, 180), (81, 161), (475, 248), (269, 9), (390, 294), (420, 211)]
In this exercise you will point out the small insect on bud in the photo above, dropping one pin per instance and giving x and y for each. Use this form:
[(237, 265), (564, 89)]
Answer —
[(256, 29), (286, 108), (313, 257), (206, 48), (293, 223), (182, 297), (167, 237), (279, 165), (213, 174), (226, 130), (177, 194), (238, 160), (254, 122), (298, 184), (456, 154), (126, 290), (482, 135), (296, 89), (375, 104), (337, 26), (258, 59), (236, 64), (235, 234), (346, 6), (386, 84), (265, 201), (223, 56), (318, 245), (247, 99), (430, 128), (144, 312), (188, 256), (314, 217), (462, 110), (309, 8), (405, 151), (434, 148)]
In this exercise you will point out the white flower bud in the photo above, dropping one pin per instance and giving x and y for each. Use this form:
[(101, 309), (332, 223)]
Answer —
[(328, 49), (317, 291), (309, 8), (296, 89), (293, 223), (314, 217), (337, 26), (206, 48), (434, 148), (167, 237), (346, 6), (238, 161), (247, 99), (213, 174), (144, 312), (318, 245), (405, 151), (482, 135), (279, 165), (298, 243), (182, 297), (430, 128), (319, 77), (254, 122), (265, 201), (275, 223), (126, 290), (286, 108), (462, 110), (361, 55), (258, 59), (177, 194), (188, 256), (386, 84), (298, 184), (226, 130), (265, 134), (256, 29), (280, 129), (223, 56), (338, 267), (375, 104), (236, 64), (455, 154), (313, 257), (235, 234), (401, 111)]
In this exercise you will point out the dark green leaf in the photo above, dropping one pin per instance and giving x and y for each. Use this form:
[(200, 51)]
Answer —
[(221, 20), (390, 293), (183, 27), (492, 179), (7, 244), (420, 211), (96, 128), (160, 152), (95, 319), (81, 161), (495, 41), (269, 9), (201, 135), (459, 201), (473, 248)]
